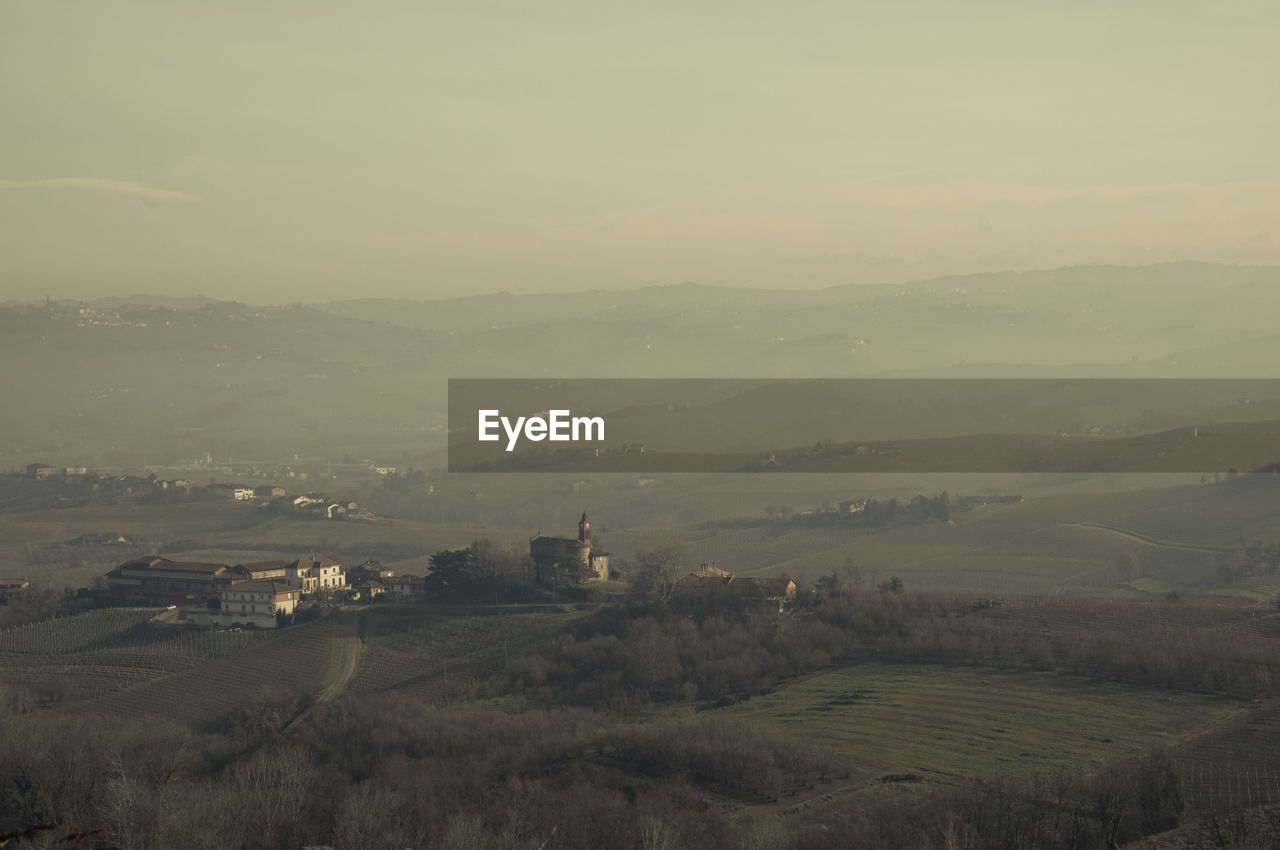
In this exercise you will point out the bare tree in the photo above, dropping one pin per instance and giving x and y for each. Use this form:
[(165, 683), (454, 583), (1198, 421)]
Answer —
[(656, 572), (853, 575)]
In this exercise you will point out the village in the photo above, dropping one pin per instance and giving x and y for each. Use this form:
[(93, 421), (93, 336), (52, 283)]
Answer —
[(274, 593), (84, 482), (262, 594)]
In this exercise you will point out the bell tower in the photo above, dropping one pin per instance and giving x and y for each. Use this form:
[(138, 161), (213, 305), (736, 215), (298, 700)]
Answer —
[(584, 529)]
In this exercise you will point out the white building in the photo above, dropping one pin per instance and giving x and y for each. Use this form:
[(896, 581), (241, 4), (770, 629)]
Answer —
[(312, 574), (249, 603)]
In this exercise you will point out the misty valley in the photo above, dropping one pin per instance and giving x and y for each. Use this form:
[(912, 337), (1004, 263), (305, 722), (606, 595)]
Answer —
[(244, 603)]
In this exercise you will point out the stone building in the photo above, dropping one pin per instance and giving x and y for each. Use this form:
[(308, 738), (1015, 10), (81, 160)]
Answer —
[(559, 557)]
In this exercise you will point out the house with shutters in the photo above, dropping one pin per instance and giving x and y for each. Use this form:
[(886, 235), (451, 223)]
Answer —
[(260, 604)]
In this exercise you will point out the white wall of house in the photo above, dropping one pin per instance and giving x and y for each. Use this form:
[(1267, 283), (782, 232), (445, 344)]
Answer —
[(246, 606), (318, 578)]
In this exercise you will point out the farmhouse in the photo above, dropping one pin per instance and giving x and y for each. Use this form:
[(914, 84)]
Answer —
[(311, 574), (780, 590), (39, 470), (555, 554), (369, 589), (14, 588), (407, 587), (709, 582), (251, 603), (161, 581), (368, 571)]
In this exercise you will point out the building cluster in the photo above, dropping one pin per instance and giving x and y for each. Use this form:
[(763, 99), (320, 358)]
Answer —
[(311, 502), (709, 582), (16, 589), (262, 593)]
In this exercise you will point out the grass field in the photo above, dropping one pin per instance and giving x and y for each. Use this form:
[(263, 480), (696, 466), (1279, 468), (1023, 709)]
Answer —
[(946, 723), (1067, 616), (999, 552)]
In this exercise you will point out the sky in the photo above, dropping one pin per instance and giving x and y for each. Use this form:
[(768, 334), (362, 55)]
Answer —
[(288, 151)]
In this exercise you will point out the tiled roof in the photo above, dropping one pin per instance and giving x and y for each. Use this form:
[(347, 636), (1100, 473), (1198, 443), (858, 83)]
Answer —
[(264, 586), (164, 564)]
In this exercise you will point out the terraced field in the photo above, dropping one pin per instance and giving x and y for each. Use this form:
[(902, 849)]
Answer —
[(1072, 615), (941, 724)]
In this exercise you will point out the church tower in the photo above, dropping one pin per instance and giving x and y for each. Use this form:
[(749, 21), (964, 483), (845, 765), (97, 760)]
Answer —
[(584, 529)]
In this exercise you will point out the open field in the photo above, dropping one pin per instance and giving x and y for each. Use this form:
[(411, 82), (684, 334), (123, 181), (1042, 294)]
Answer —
[(1069, 616), (1066, 544), (991, 554), (942, 724), (30, 541)]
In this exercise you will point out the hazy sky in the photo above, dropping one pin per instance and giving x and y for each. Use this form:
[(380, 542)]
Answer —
[(287, 151)]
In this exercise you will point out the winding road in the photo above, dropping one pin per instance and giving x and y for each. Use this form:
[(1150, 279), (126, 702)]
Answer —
[(1150, 541)]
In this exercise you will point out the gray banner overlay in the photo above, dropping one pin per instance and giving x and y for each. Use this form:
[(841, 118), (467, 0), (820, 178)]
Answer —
[(864, 425)]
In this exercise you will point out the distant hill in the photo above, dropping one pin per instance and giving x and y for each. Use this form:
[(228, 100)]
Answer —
[(173, 377)]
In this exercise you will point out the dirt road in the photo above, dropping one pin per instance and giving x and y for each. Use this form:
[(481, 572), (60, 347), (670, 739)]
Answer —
[(348, 660)]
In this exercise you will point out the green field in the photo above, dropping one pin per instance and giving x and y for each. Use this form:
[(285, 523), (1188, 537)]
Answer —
[(942, 724)]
